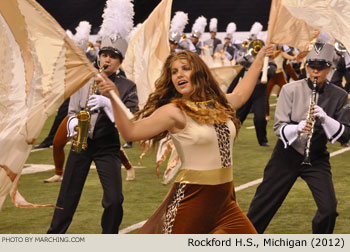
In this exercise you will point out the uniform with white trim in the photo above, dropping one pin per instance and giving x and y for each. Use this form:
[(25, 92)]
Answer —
[(284, 167)]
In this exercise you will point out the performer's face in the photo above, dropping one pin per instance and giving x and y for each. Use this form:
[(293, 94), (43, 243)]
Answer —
[(194, 40), (320, 73), (181, 73), (110, 59), (173, 46)]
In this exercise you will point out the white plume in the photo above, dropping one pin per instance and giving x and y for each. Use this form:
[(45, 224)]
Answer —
[(133, 31), (213, 24), (231, 28), (117, 19), (200, 24), (82, 32), (256, 28), (179, 21), (69, 34)]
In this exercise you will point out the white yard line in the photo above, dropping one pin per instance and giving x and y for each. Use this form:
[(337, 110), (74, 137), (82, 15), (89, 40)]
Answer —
[(249, 184), (35, 150), (34, 168), (132, 227), (238, 188), (339, 151)]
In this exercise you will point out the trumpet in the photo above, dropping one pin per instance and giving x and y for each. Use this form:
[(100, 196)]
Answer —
[(79, 142), (245, 43), (311, 118), (255, 46)]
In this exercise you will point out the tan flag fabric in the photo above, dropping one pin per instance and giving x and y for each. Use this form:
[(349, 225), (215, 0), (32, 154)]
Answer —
[(332, 16), (284, 28), (224, 75), (39, 68), (148, 49)]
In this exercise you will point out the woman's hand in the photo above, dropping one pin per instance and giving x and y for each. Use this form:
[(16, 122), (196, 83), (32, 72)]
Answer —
[(105, 85), (266, 51)]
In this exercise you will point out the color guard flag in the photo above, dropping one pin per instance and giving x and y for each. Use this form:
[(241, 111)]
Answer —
[(284, 28), (148, 49), (39, 68), (332, 16)]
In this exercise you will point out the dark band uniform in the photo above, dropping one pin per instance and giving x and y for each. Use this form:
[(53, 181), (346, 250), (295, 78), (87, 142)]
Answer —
[(103, 149)]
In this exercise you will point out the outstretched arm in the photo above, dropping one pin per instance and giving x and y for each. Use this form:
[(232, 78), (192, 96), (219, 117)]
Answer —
[(167, 117), (245, 87)]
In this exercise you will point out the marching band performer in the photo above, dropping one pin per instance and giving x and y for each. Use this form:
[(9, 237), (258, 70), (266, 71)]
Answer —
[(332, 123), (197, 31), (213, 42), (103, 142)]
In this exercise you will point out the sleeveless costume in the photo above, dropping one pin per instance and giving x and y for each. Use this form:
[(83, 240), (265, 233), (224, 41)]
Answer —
[(202, 199)]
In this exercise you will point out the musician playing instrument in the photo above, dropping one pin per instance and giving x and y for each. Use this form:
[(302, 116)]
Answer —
[(103, 145), (332, 112)]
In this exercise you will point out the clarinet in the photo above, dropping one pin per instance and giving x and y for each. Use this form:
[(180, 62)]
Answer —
[(311, 118)]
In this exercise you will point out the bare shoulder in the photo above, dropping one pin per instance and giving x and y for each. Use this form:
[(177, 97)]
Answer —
[(174, 113)]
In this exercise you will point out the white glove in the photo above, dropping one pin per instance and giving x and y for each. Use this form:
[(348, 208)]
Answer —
[(319, 112), (331, 127), (290, 132), (71, 123), (97, 101), (301, 125), (100, 101)]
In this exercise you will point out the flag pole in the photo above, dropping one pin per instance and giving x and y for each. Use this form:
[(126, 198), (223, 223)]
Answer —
[(271, 23), (116, 98)]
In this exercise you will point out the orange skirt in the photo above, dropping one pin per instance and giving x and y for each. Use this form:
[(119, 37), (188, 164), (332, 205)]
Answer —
[(199, 209)]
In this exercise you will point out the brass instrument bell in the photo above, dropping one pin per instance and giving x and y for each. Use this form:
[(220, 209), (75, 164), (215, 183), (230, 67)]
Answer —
[(255, 46)]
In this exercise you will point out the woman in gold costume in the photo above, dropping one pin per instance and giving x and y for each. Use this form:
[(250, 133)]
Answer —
[(189, 106)]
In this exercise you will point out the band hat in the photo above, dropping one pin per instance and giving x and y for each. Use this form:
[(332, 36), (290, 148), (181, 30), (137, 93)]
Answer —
[(177, 26), (174, 37), (116, 26), (230, 29), (255, 30), (213, 25), (118, 46), (199, 27), (252, 36), (320, 54), (228, 36), (196, 34)]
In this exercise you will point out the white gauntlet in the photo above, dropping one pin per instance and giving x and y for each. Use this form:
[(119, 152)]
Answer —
[(331, 127), (290, 132), (71, 123)]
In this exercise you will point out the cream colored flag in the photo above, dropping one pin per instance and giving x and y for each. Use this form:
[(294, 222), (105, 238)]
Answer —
[(148, 49), (332, 16), (39, 68), (284, 28), (224, 75)]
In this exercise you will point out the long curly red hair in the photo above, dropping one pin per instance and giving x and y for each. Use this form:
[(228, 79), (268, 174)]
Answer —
[(204, 84)]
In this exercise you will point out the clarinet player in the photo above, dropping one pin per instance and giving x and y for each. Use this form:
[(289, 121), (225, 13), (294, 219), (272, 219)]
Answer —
[(292, 125)]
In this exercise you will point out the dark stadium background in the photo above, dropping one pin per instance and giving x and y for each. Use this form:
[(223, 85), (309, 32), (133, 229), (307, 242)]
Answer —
[(243, 12)]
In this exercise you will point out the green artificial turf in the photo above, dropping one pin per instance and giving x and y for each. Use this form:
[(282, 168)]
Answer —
[(143, 195)]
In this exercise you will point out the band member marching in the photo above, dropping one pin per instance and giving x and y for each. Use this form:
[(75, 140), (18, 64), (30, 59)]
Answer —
[(293, 126)]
